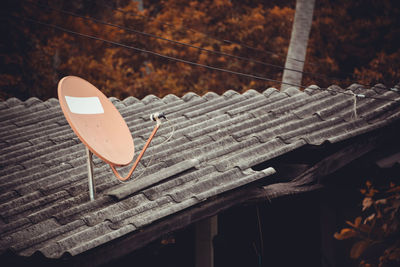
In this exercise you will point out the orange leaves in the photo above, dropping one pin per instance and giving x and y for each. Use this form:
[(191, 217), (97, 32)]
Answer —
[(369, 218), (218, 18), (123, 72), (394, 189), (370, 191), (345, 233), (358, 227), (358, 248), (222, 3), (393, 253), (255, 23), (203, 58), (356, 223), (378, 231), (367, 202)]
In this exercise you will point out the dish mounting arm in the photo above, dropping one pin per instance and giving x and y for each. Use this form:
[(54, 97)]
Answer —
[(140, 155)]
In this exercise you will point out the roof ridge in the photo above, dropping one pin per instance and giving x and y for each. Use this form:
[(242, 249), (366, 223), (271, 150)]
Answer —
[(32, 100)]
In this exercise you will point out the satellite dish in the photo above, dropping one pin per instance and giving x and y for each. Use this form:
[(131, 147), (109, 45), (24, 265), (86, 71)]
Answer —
[(99, 125), (96, 121)]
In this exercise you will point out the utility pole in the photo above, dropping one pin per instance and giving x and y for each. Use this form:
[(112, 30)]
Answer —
[(298, 43)]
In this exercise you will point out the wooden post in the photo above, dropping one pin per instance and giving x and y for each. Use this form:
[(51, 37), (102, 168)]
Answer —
[(327, 221), (298, 44), (205, 232)]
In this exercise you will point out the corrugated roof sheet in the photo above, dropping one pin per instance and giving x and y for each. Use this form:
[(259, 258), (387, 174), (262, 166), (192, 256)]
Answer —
[(218, 139)]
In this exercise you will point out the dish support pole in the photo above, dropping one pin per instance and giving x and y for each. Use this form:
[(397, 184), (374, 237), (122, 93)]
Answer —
[(92, 192)]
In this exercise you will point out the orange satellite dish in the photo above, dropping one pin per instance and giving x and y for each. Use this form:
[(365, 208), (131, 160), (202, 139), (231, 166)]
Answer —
[(99, 125), (96, 121)]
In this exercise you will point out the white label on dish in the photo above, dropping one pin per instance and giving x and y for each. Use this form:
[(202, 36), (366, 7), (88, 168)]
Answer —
[(84, 105)]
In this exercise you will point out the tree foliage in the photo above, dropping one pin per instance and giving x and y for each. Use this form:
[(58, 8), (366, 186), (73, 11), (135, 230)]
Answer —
[(350, 42), (355, 41), (377, 231)]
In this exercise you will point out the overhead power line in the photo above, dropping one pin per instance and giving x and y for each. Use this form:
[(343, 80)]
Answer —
[(234, 42), (185, 44), (187, 61), (199, 32), (178, 42), (147, 51), (264, 51)]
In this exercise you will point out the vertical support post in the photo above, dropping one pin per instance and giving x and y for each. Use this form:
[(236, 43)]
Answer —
[(205, 232), (92, 192), (296, 55), (327, 228)]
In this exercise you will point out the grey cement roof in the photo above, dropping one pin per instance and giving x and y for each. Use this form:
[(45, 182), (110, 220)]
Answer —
[(44, 202)]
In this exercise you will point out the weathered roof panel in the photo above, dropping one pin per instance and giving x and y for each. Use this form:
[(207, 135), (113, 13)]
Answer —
[(44, 203)]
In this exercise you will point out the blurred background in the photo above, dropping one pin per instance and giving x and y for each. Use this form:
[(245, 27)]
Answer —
[(129, 48)]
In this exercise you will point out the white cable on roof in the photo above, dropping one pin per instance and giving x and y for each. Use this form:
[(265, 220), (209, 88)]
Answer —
[(165, 141)]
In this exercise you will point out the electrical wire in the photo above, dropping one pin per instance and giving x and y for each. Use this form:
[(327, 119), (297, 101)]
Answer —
[(152, 156), (318, 75), (190, 62), (264, 51), (186, 44), (197, 31), (151, 52), (268, 52)]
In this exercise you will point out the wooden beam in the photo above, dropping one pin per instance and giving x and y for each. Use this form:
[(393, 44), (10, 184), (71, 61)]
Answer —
[(140, 238), (338, 160), (312, 178), (205, 231)]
